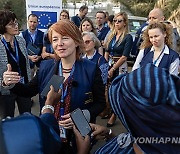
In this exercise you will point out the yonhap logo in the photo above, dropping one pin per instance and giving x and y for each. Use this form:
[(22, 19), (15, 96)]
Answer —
[(124, 140)]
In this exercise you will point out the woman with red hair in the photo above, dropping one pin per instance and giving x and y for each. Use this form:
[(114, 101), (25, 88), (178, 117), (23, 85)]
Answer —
[(82, 88)]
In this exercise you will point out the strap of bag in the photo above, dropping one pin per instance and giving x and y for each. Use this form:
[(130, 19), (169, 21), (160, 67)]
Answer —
[(2, 143), (99, 60)]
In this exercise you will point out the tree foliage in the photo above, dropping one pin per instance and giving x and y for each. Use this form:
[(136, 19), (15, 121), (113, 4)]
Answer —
[(17, 6), (143, 7), (136, 7), (168, 6)]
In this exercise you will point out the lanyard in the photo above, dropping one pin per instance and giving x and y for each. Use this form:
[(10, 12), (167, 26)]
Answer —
[(64, 90), (159, 56), (15, 58), (112, 45), (51, 49), (31, 38)]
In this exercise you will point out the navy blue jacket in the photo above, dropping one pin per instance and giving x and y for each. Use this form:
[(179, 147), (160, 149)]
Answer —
[(102, 33), (88, 91), (98, 59), (27, 134), (122, 49), (166, 61), (103, 65), (77, 20), (38, 41), (138, 39)]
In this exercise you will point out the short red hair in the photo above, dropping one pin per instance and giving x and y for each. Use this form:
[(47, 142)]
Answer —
[(68, 28)]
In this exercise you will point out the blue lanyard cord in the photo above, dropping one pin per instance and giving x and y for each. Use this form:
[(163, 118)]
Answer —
[(64, 90), (31, 39), (15, 58), (159, 56), (112, 45), (51, 49)]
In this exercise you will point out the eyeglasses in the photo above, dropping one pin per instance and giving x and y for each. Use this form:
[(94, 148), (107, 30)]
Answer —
[(66, 16), (119, 21), (87, 41), (13, 24)]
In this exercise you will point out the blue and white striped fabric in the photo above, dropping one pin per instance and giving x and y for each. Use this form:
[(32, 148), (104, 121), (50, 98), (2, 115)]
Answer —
[(112, 147), (147, 101)]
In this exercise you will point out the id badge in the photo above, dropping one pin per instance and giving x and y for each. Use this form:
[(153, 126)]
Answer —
[(62, 132), (22, 80), (111, 61)]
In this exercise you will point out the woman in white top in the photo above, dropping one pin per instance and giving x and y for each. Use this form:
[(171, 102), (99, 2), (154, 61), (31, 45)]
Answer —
[(156, 48)]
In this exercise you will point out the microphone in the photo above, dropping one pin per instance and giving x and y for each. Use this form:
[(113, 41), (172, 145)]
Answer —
[(86, 114), (74, 83)]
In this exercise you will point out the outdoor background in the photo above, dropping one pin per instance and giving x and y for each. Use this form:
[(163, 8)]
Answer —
[(132, 7)]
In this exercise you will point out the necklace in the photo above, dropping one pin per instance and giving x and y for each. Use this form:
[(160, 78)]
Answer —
[(66, 70)]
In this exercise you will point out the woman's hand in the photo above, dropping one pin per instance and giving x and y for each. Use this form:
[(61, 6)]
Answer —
[(45, 55), (66, 122), (52, 96), (33, 58), (99, 132), (110, 73), (10, 77), (83, 144)]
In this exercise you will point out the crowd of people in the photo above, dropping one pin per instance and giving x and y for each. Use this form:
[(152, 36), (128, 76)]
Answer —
[(92, 58)]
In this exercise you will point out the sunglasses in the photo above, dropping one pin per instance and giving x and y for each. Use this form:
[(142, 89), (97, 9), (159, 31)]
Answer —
[(87, 41), (119, 21)]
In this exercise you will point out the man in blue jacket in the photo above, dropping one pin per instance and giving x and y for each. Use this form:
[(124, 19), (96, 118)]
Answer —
[(33, 36), (102, 29), (83, 10)]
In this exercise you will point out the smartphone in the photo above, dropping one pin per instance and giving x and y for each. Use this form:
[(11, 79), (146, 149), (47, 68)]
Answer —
[(81, 122), (55, 81)]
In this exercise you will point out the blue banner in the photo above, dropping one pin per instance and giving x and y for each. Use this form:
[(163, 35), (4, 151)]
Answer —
[(45, 18)]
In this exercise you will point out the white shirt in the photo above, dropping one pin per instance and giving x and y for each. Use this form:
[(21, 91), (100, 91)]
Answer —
[(33, 35), (173, 66)]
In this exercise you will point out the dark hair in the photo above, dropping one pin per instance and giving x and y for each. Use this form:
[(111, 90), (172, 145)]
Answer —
[(82, 8), (92, 25), (33, 15), (6, 16), (107, 13), (102, 13), (110, 18), (67, 12)]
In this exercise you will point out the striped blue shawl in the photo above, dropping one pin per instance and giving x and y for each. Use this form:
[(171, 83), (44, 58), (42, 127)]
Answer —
[(147, 101)]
